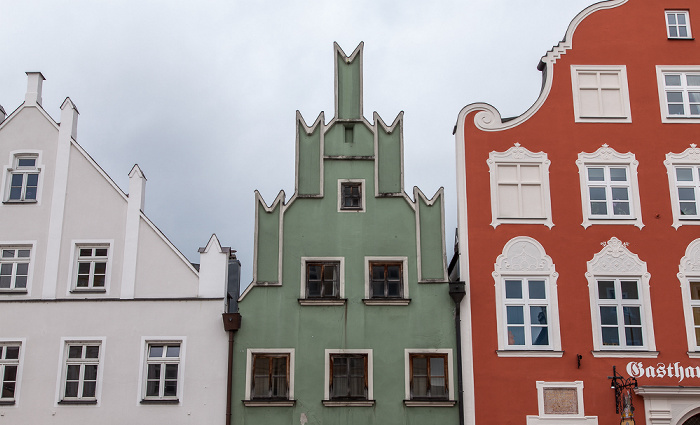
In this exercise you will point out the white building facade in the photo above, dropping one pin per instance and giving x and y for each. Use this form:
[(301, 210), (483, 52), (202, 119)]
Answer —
[(102, 319)]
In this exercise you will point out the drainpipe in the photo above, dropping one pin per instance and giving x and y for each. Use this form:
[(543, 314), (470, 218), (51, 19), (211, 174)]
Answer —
[(457, 293), (232, 322)]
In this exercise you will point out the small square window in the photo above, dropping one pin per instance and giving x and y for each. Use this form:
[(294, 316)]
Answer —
[(429, 376), (269, 377), (14, 268), (600, 93), (351, 195), (80, 373), (348, 377), (9, 372), (91, 268), (162, 371), (23, 179), (323, 280), (387, 280), (678, 24)]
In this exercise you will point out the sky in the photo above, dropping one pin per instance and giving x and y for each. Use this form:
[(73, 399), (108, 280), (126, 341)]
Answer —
[(203, 95)]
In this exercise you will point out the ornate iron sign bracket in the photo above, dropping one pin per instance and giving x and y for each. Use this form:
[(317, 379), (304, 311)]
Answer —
[(623, 388)]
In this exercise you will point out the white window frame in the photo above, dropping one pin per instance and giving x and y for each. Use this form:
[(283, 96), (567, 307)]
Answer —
[(450, 401), (621, 71), (607, 157), (19, 245), (19, 362), (249, 377), (63, 366), (404, 299), (689, 271), (73, 270), (615, 261), (146, 343), (303, 300), (520, 156), (524, 258), (661, 71), (667, 13), (572, 419), (363, 202), (689, 158), (327, 375), (14, 168)]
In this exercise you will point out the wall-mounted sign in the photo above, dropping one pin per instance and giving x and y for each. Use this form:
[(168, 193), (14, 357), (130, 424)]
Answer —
[(660, 370)]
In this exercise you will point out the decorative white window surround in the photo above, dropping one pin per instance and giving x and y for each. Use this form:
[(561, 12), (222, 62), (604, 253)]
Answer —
[(249, 377), (62, 364), (664, 405), (678, 24), (689, 271), (543, 417), (6, 361), (73, 269), (682, 70), (449, 374), (600, 93), (30, 245), (327, 375), (404, 300), (362, 195), (13, 166), (146, 342), (524, 257), (303, 300), (534, 207), (615, 261), (606, 156), (689, 158)]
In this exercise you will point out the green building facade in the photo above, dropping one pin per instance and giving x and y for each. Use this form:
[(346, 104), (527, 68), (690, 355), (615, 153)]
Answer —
[(348, 318)]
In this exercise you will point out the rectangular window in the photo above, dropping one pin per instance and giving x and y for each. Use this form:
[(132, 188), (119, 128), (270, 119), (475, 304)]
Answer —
[(688, 189), (162, 371), (682, 94), (351, 196), (527, 313), (270, 376), (91, 268), (695, 306), (609, 191), (322, 280), (678, 24), (81, 372), (9, 369), (14, 268), (23, 179), (600, 93), (349, 376), (428, 376), (520, 191), (620, 309), (386, 279)]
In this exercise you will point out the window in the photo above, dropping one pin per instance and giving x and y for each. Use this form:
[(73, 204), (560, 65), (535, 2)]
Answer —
[(679, 93), (351, 195), (270, 377), (162, 372), (348, 378), (9, 372), (609, 193), (618, 284), (683, 171), (91, 268), (385, 281), (428, 377), (23, 179), (519, 187), (527, 313), (689, 276), (600, 93), (677, 24), (14, 268), (322, 281), (562, 402), (80, 373)]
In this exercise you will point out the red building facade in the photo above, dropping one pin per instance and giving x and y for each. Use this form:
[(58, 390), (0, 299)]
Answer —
[(578, 228)]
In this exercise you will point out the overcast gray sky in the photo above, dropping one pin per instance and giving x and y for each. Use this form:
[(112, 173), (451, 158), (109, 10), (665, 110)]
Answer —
[(202, 95)]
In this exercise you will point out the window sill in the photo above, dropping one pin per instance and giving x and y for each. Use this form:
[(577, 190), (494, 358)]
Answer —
[(269, 403), (322, 301), (20, 202), (92, 402), (13, 291), (625, 353), (681, 38), (386, 301), (529, 353), (694, 354), (7, 402), (429, 403), (348, 403), (88, 291), (160, 401)]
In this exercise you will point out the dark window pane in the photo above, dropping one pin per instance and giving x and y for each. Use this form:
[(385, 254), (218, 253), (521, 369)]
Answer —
[(596, 174), (610, 336), (90, 372), (684, 174), (10, 373), (98, 281), (155, 351), (540, 336), (26, 162), (73, 372), (632, 315), (618, 174), (170, 389), (75, 351), (83, 268), (20, 282), (538, 315), (516, 335), (153, 371), (89, 388), (633, 336), (608, 315), (537, 289), (8, 390), (606, 289), (170, 371), (152, 388), (11, 352), (101, 252), (597, 193), (71, 389), (173, 351), (92, 351), (515, 315), (5, 282), (86, 252), (629, 290), (514, 289)]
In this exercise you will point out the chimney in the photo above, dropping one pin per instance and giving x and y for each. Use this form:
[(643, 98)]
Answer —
[(34, 81)]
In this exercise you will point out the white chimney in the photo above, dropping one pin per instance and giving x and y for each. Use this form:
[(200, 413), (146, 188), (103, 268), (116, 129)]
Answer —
[(34, 81)]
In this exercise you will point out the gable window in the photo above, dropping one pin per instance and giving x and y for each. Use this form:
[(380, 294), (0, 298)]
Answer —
[(269, 377), (351, 195), (348, 378), (519, 187), (683, 171), (689, 276), (80, 372), (322, 281), (428, 377), (679, 93), (23, 179), (385, 281), (91, 268), (600, 93), (609, 189), (677, 24), (527, 313), (162, 372), (618, 284), (9, 372), (14, 268)]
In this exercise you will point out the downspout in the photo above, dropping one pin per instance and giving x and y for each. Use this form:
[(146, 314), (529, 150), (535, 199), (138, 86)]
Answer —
[(232, 322), (457, 293)]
